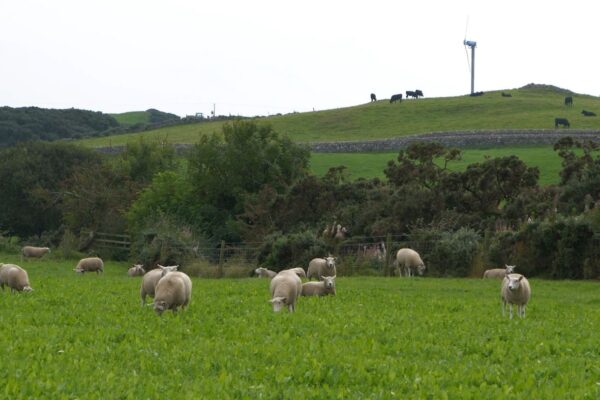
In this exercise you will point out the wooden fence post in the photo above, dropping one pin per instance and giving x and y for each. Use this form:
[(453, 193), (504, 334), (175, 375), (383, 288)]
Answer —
[(221, 259), (388, 254)]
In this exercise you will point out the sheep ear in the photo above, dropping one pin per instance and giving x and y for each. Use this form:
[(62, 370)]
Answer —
[(175, 267), (520, 278), (160, 266)]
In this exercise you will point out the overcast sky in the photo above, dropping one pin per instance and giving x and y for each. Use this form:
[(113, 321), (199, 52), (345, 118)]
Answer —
[(266, 57)]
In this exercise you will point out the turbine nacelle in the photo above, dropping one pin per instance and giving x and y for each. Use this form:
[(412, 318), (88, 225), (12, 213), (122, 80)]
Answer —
[(470, 43)]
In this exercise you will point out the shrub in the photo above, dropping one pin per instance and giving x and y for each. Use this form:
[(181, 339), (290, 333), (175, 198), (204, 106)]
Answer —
[(292, 250)]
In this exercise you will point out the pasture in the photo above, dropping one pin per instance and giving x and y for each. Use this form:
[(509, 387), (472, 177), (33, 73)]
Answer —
[(371, 165), (86, 336)]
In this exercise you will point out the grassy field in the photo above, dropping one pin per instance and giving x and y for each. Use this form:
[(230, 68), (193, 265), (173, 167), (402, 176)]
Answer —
[(528, 109), (87, 337), (371, 165), (132, 117)]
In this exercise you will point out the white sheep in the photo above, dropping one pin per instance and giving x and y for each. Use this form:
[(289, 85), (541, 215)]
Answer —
[(31, 251), (90, 264), (172, 291), (151, 278), (298, 271), (15, 278), (409, 260), (319, 267), (499, 272), (322, 288), (515, 290), (285, 288), (136, 270), (262, 272)]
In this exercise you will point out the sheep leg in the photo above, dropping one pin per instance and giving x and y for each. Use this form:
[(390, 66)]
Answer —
[(510, 309)]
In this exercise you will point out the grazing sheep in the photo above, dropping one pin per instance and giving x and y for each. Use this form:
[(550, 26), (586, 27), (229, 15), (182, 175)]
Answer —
[(31, 251), (264, 273), (136, 270), (285, 288), (151, 278), (409, 260), (90, 264), (322, 288), (499, 272), (298, 271), (172, 291), (319, 267), (515, 290), (15, 278)]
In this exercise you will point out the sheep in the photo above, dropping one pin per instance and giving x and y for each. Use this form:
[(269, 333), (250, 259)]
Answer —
[(499, 272), (319, 267), (408, 260), (90, 264), (298, 271), (172, 291), (285, 288), (15, 278), (322, 288), (264, 273), (515, 290), (31, 251), (151, 278), (136, 270)]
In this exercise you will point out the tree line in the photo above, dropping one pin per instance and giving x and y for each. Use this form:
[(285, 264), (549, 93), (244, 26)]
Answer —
[(249, 184)]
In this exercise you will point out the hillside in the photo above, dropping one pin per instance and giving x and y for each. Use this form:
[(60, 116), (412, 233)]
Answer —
[(150, 116), (33, 123), (530, 107)]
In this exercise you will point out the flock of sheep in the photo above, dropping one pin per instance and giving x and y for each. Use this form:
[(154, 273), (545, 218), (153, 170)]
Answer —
[(172, 289)]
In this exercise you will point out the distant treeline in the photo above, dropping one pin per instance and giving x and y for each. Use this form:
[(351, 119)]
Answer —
[(34, 123)]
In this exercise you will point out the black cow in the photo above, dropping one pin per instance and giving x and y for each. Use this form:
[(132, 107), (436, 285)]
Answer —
[(396, 97), (569, 101), (475, 94), (588, 113), (373, 97), (561, 121), (415, 94), (506, 94)]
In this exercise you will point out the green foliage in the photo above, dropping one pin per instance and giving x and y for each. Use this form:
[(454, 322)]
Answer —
[(377, 338), (142, 160), (223, 170), (31, 175), (33, 123), (448, 253), (292, 250)]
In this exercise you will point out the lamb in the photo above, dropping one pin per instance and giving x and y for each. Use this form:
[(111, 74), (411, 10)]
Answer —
[(15, 278), (409, 260), (151, 278), (36, 252), (90, 264), (264, 273), (515, 290), (322, 288), (319, 267), (499, 272), (172, 291), (136, 270), (285, 288)]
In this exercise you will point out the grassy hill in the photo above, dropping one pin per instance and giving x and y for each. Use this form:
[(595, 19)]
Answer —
[(132, 117), (529, 108)]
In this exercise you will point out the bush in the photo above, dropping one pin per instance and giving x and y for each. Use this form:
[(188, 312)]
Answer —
[(296, 249)]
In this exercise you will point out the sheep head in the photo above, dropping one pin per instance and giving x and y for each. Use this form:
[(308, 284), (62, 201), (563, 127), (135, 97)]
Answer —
[(166, 270), (330, 262), (278, 303), (329, 282), (514, 282), (160, 306), (510, 268)]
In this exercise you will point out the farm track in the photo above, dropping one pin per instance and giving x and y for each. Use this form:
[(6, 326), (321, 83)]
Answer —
[(460, 139)]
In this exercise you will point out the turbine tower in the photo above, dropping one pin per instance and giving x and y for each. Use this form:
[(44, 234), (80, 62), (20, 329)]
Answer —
[(472, 44)]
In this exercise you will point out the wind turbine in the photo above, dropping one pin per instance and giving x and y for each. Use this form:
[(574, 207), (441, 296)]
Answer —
[(472, 44)]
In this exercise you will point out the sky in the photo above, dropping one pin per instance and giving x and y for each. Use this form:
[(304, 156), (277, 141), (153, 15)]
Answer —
[(241, 57)]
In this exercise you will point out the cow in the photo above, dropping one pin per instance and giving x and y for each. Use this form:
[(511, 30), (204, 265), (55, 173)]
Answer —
[(373, 97), (475, 94), (561, 121), (588, 113), (506, 94), (569, 101), (396, 97), (415, 94)]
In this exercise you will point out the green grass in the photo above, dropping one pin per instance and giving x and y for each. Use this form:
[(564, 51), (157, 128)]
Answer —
[(87, 337), (132, 117), (371, 165), (527, 109)]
